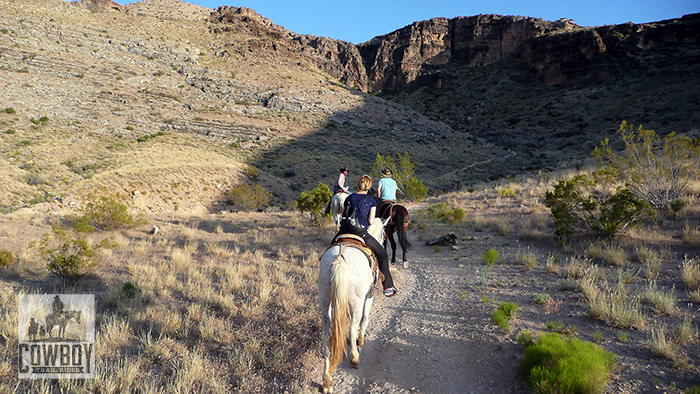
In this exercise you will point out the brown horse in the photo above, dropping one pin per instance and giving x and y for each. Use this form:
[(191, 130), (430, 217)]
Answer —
[(398, 224)]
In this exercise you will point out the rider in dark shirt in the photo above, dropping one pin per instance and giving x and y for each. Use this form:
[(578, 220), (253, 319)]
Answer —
[(366, 209)]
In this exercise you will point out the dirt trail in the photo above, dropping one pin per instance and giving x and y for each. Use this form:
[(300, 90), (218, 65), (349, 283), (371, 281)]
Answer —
[(431, 337)]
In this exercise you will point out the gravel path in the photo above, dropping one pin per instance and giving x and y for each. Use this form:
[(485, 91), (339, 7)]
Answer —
[(431, 337)]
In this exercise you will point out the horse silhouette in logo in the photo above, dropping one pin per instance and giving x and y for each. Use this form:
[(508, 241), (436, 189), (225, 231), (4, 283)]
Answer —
[(61, 318)]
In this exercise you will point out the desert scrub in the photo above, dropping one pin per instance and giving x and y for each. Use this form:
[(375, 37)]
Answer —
[(661, 302), (657, 171), (691, 273), (506, 192), (661, 343), (247, 197), (106, 214), (69, 257), (527, 258), (314, 202), (575, 204), (503, 314), (612, 305), (566, 365), (490, 257), (442, 211), (6, 258)]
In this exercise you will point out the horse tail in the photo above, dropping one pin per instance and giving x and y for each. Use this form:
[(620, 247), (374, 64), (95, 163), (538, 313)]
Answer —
[(340, 310), (400, 219)]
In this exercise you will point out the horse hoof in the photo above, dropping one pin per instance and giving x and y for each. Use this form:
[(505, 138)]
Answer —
[(405, 264)]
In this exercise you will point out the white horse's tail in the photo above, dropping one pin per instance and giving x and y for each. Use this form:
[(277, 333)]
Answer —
[(340, 310)]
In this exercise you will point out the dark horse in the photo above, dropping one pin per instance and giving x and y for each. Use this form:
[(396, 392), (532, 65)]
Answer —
[(398, 224)]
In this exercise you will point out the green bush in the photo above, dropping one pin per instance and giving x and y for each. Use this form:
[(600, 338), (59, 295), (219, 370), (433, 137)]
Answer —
[(575, 204), (69, 257), (106, 214), (129, 289), (656, 171), (500, 318), (403, 173), (490, 256), (314, 202), (6, 258), (566, 365), (443, 212), (247, 197), (503, 314), (10, 110)]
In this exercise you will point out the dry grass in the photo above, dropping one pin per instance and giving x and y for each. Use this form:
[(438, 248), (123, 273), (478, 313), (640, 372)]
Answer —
[(527, 258), (690, 272), (200, 318), (612, 305), (691, 234), (662, 302)]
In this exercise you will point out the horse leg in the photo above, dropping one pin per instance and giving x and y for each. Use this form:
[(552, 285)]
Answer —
[(393, 245), (326, 328), (403, 249), (365, 321), (356, 311)]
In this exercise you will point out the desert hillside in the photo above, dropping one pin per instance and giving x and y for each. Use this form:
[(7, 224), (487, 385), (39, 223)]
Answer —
[(211, 109)]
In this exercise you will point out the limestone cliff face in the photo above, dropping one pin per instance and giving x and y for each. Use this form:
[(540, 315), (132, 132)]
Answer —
[(556, 52), (340, 59), (395, 60), (417, 55)]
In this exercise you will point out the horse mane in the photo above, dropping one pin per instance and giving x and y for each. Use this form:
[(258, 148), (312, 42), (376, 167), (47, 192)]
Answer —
[(376, 230)]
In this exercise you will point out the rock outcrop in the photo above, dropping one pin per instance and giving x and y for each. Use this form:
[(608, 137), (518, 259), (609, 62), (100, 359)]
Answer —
[(101, 6), (338, 58)]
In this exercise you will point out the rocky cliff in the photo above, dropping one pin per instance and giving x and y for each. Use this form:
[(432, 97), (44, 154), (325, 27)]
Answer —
[(340, 59), (554, 52)]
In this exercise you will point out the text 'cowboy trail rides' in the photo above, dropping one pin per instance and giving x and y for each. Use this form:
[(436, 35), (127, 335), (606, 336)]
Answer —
[(56, 336)]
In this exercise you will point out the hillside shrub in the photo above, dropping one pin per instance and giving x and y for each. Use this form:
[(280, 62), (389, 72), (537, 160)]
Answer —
[(566, 365), (247, 197), (577, 204), (655, 170), (443, 212), (106, 214), (68, 257), (403, 173), (148, 137), (314, 202), (6, 258)]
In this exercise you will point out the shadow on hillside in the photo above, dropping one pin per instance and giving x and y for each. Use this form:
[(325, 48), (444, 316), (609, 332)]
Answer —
[(444, 159)]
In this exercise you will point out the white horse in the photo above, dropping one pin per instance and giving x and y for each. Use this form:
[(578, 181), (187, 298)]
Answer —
[(337, 203), (345, 284)]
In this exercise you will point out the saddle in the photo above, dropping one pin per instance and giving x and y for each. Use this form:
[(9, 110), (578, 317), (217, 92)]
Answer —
[(386, 210), (356, 241)]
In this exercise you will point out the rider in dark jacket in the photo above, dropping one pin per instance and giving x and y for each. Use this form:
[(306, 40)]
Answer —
[(366, 209)]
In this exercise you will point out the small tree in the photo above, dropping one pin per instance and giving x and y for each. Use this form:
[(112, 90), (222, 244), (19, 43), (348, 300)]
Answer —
[(575, 203), (412, 188), (106, 214), (247, 197), (655, 170), (69, 257), (314, 202)]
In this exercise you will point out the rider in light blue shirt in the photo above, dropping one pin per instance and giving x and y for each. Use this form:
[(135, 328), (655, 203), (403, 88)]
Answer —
[(386, 187)]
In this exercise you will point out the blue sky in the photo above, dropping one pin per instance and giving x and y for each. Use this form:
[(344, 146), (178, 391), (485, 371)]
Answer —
[(360, 20)]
